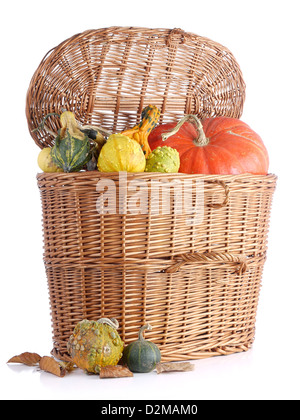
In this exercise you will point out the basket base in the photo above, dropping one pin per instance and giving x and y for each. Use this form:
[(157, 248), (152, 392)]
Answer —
[(219, 351)]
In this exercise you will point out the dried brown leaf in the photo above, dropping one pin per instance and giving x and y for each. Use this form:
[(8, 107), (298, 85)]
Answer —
[(49, 364), (117, 371), (174, 367), (27, 358)]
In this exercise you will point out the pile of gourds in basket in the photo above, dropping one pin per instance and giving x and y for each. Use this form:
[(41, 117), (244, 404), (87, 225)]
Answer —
[(219, 145)]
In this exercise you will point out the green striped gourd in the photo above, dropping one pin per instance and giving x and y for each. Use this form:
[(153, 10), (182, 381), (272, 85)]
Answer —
[(71, 153), (141, 355)]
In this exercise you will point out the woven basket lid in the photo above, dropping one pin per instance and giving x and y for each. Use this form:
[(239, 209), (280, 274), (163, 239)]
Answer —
[(107, 76)]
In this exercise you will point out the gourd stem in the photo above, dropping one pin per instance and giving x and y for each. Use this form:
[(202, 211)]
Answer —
[(142, 329), (42, 126), (201, 140), (112, 322)]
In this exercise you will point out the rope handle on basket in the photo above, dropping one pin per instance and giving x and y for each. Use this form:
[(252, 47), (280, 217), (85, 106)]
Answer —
[(208, 257), (227, 192)]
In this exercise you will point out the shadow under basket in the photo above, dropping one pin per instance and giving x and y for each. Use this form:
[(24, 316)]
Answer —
[(184, 253)]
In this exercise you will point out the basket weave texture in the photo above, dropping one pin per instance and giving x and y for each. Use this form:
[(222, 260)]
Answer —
[(107, 76), (197, 284)]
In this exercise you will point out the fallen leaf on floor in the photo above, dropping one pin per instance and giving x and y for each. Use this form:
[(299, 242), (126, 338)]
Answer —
[(49, 364), (117, 371), (27, 358), (174, 367)]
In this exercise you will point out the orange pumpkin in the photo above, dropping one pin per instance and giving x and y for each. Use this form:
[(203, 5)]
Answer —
[(219, 145)]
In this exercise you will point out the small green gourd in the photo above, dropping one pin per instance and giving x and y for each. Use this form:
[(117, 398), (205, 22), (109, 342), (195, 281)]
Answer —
[(141, 355), (163, 159), (74, 147), (71, 153)]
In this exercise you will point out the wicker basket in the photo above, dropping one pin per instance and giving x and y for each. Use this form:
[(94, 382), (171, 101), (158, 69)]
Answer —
[(193, 274)]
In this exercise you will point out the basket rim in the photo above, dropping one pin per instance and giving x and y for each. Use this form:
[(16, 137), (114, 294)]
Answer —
[(135, 175), (174, 33)]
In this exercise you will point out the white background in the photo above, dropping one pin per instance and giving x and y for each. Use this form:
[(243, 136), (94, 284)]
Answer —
[(264, 37)]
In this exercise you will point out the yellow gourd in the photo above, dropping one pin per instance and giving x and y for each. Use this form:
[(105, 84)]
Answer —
[(95, 344), (121, 153), (69, 123), (45, 161)]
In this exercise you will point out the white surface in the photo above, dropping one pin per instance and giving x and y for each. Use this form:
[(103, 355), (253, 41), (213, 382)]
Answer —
[(264, 37)]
